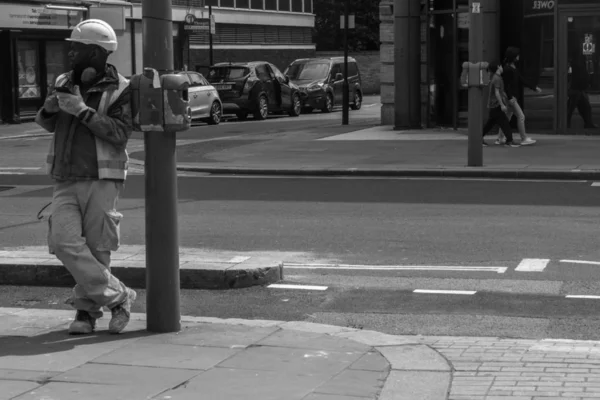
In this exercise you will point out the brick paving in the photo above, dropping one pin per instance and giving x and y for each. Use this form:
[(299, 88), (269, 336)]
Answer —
[(502, 369)]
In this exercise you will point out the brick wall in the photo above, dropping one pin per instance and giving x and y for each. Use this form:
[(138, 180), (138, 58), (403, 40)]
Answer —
[(281, 58), (386, 32), (369, 64)]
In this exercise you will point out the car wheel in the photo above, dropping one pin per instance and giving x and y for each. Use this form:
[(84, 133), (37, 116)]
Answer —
[(242, 115), (328, 104), (215, 114), (357, 101), (296, 106), (263, 108)]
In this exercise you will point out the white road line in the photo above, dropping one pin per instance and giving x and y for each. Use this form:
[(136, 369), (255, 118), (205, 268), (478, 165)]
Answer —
[(499, 270), (239, 259), (302, 287), (583, 297), (596, 184), (580, 262), (20, 168), (533, 265), (11, 173), (463, 292)]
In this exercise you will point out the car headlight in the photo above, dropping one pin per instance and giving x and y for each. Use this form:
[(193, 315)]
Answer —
[(315, 88)]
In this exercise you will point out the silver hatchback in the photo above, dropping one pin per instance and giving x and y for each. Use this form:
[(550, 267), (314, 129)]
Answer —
[(204, 99)]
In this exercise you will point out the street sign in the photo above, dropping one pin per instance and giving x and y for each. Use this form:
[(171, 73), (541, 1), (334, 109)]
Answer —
[(191, 23), (476, 8), (351, 22), (213, 25)]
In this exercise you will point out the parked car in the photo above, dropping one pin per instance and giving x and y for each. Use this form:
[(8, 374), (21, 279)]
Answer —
[(204, 99), (256, 87), (321, 82)]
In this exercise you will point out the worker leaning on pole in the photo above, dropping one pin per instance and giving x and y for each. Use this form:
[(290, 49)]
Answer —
[(89, 113)]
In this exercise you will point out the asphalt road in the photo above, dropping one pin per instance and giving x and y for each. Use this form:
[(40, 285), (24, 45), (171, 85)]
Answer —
[(26, 155), (467, 235)]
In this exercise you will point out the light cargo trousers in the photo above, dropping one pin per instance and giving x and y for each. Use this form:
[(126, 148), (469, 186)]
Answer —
[(83, 230)]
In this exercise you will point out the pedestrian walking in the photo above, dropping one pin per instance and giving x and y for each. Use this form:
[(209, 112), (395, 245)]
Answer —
[(89, 113), (497, 105), (512, 79)]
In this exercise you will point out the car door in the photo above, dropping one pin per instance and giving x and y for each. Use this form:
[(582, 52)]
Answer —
[(200, 95), (264, 75), (337, 84), (285, 91)]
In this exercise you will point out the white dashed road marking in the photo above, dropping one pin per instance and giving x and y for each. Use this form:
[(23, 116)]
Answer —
[(583, 297), (239, 259), (499, 270), (533, 265), (580, 262), (300, 287), (596, 184), (462, 292)]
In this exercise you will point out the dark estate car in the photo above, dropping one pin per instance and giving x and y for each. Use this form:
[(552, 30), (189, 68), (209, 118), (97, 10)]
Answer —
[(321, 82), (256, 87)]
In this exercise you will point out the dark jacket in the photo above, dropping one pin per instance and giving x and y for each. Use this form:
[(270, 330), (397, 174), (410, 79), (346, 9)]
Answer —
[(75, 137), (512, 79)]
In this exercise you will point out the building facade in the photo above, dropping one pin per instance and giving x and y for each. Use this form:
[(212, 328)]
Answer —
[(32, 41), (557, 39)]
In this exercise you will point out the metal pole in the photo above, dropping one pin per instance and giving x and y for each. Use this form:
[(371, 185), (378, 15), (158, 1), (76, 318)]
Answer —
[(483, 46), (162, 241), (407, 64), (210, 38), (346, 87), (475, 151)]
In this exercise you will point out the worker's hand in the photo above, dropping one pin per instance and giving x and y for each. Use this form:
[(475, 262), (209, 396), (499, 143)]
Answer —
[(503, 108), (72, 103), (512, 101), (51, 104)]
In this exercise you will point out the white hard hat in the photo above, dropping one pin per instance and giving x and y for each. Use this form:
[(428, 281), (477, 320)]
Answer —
[(95, 31)]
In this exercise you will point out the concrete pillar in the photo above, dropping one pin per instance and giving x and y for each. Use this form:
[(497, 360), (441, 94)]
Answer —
[(407, 64), (386, 52)]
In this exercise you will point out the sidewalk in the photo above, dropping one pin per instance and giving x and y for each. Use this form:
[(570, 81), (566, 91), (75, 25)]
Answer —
[(381, 151), (213, 358)]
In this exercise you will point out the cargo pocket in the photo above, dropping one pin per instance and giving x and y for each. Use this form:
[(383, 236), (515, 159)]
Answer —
[(51, 248), (111, 231)]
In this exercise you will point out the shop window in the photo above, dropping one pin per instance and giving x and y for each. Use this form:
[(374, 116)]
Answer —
[(214, 3), (29, 70), (284, 5), (257, 5), (308, 6), (227, 3), (270, 4), (57, 61), (297, 5), (242, 4)]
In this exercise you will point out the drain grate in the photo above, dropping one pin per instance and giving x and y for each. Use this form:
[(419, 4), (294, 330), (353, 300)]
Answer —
[(4, 188)]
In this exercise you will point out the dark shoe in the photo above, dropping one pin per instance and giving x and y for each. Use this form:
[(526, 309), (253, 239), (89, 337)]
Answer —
[(484, 144), (84, 324), (121, 313), (511, 144)]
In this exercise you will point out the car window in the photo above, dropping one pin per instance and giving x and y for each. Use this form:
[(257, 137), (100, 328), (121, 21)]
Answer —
[(278, 75), (227, 73), (352, 69), (196, 79), (336, 69), (309, 71), (262, 72)]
